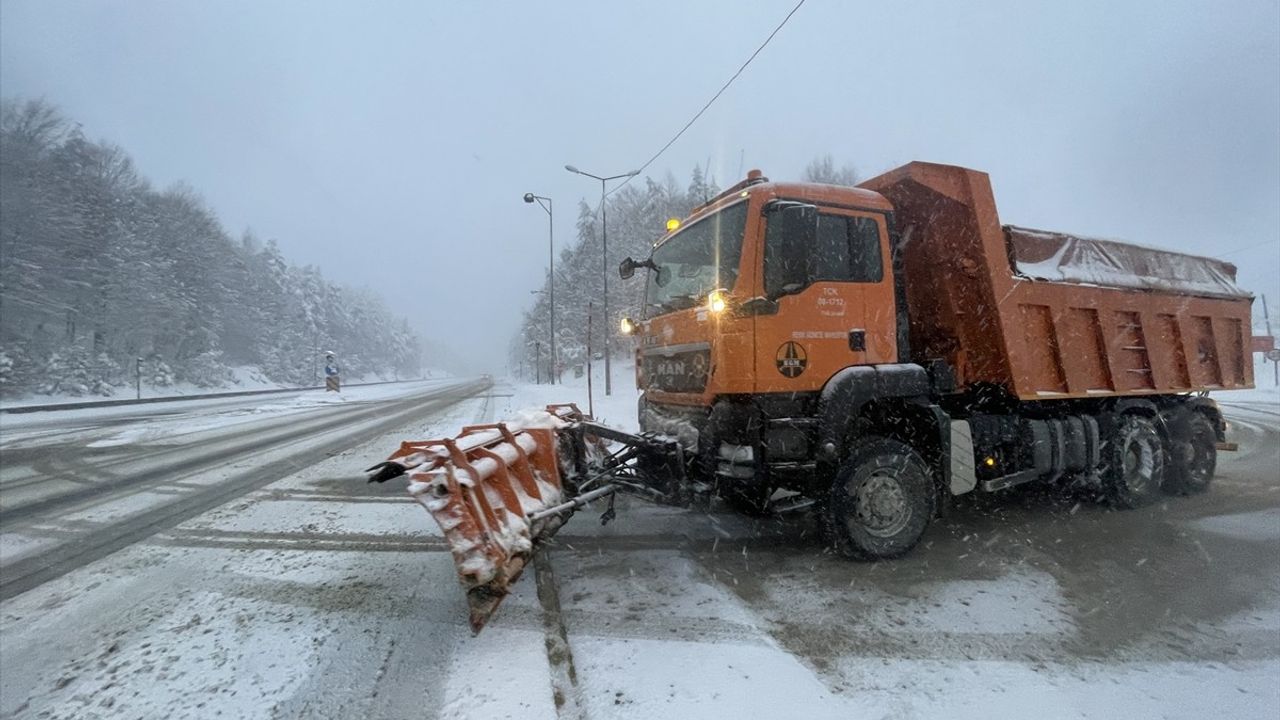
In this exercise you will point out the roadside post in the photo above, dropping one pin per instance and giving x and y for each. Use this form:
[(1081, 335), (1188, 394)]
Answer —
[(331, 379), (137, 372)]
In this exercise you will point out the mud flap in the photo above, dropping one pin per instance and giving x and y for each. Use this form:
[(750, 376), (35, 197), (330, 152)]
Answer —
[(964, 477)]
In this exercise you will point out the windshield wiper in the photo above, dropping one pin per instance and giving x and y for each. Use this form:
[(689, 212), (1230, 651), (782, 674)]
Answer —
[(677, 302)]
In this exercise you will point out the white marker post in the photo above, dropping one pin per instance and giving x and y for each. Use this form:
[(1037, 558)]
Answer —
[(331, 381)]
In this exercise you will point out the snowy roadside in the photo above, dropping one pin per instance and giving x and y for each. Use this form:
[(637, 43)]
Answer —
[(244, 378), (617, 410), (164, 422), (1264, 394), (1265, 391)]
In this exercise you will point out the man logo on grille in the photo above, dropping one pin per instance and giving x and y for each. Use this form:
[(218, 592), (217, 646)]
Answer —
[(791, 359), (700, 367)]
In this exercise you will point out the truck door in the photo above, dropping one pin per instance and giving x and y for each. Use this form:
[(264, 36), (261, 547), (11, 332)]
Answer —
[(829, 279)]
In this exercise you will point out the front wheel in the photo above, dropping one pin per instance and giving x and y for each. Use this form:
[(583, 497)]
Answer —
[(882, 501)]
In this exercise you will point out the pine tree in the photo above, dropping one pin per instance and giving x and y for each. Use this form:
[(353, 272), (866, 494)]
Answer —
[(98, 269)]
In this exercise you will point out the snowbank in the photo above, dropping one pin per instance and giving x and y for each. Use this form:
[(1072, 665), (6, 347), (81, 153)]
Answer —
[(246, 378), (617, 410)]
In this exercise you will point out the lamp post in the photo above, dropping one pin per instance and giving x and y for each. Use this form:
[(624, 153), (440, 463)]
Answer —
[(604, 242), (545, 203)]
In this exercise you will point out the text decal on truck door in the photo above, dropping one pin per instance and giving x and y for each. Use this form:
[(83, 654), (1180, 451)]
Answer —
[(791, 359)]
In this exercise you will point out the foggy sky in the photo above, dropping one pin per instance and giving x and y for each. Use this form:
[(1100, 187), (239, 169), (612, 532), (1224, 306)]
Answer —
[(390, 144)]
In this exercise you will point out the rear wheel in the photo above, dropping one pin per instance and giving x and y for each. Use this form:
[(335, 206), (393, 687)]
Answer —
[(1193, 454), (1134, 462), (882, 500)]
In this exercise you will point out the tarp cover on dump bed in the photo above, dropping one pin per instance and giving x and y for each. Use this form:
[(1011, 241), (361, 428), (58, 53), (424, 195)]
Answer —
[(1058, 257)]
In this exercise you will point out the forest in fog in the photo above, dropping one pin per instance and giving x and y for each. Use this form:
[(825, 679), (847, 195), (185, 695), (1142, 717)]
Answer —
[(98, 268)]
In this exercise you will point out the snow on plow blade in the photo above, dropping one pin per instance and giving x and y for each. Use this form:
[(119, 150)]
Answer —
[(482, 487)]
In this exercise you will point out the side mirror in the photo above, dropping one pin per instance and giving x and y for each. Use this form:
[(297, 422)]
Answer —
[(793, 232), (627, 267)]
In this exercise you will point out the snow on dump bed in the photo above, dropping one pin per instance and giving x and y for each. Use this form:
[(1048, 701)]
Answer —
[(1042, 255)]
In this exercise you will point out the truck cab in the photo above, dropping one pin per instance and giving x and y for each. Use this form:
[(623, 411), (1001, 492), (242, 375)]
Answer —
[(751, 306), (770, 288)]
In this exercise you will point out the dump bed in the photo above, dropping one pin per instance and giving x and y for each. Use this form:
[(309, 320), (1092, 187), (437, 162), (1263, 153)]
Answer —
[(1054, 315)]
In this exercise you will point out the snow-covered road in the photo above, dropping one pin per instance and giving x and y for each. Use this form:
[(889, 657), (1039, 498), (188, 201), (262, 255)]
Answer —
[(1024, 605), (318, 595), (104, 480)]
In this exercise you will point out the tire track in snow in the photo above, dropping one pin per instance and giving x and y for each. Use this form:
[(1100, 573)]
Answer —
[(188, 461), (43, 566), (563, 674)]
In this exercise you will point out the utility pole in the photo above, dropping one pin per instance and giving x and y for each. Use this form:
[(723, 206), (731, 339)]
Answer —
[(551, 271), (604, 242), (591, 406)]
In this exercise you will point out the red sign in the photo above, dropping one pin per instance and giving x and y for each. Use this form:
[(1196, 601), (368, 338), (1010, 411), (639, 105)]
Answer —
[(1263, 343)]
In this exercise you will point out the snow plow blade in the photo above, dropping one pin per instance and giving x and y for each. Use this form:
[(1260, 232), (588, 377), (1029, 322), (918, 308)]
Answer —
[(496, 491)]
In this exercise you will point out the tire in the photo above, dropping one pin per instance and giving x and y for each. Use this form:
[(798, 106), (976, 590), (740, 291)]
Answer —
[(1193, 454), (1134, 463), (751, 500), (882, 501)]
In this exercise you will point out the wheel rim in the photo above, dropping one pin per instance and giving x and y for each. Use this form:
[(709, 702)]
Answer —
[(1139, 465), (881, 507)]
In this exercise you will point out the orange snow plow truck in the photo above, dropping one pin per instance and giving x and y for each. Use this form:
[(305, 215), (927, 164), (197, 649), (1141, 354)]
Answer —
[(865, 353)]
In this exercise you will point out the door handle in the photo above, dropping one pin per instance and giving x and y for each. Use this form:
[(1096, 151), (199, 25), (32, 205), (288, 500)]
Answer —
[(858, 340)]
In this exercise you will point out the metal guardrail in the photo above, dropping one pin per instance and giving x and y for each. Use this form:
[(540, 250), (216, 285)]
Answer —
[(174, 398)]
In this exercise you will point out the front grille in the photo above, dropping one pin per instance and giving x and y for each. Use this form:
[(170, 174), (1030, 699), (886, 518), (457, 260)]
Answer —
[(676, 370)]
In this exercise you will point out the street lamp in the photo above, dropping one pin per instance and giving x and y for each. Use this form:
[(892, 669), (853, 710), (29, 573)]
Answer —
[(545, 203), (604, 242)]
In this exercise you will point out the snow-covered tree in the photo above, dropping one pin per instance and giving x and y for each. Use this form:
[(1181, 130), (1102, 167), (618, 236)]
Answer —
[(823, 170), (97, 269)]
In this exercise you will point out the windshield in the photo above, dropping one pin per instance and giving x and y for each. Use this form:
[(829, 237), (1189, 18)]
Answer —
[(695, 261)]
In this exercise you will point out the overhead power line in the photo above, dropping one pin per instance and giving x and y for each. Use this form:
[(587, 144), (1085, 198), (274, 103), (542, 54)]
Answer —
[(719, 92), (1248, 247)]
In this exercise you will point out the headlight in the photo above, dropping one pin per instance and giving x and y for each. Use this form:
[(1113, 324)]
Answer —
[(717, 301), (627, 327)]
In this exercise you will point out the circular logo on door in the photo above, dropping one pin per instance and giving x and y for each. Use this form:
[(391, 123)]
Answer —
[(791, 359)]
